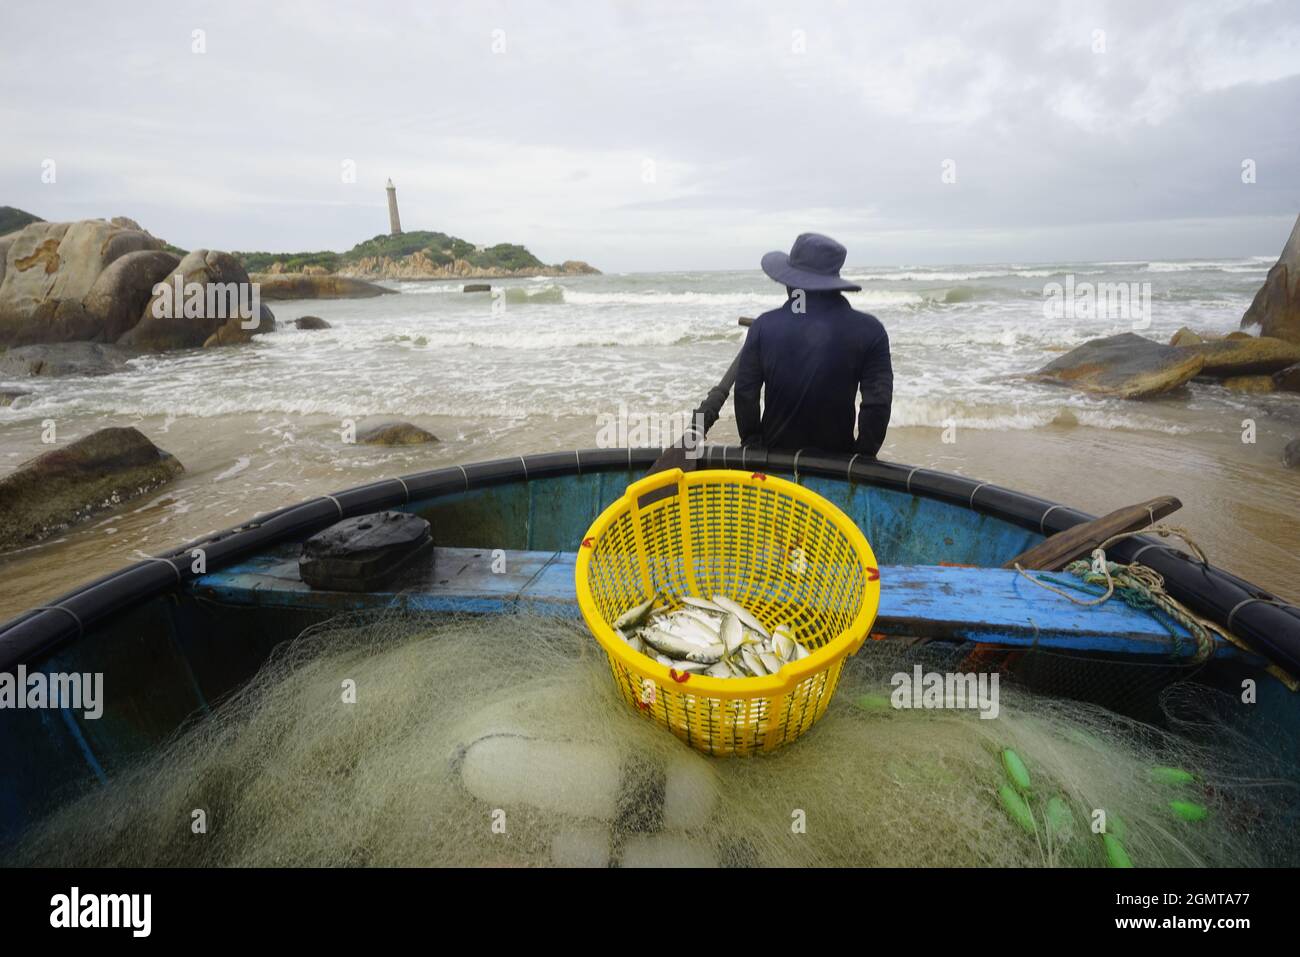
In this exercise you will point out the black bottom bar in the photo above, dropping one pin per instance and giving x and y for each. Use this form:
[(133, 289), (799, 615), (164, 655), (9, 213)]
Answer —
[(486, 908)]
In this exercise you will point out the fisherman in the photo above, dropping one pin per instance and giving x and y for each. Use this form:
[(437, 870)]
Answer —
[(810, 357)]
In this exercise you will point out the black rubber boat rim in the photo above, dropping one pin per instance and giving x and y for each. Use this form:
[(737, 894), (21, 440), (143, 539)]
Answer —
[(1265, 622)]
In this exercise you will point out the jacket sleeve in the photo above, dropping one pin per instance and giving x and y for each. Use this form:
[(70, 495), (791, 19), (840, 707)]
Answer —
[(748, 386), (877, 386)]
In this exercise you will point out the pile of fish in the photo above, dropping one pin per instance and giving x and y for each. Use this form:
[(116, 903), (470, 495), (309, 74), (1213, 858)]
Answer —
[(710, 636)]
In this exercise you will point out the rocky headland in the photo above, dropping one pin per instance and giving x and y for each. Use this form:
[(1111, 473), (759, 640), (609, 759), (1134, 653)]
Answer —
[(421, 266), (423, 254)]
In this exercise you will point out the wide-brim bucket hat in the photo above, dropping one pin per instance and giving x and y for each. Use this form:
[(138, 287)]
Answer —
[(812, 264)]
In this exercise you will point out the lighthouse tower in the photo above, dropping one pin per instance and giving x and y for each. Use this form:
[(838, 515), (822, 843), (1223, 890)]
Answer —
[(394, 224)]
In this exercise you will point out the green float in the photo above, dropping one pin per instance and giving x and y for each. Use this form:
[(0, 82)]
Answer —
[(1116, 856), (1016, 807), (1172, 776), (1016, 770), (1189, 810)]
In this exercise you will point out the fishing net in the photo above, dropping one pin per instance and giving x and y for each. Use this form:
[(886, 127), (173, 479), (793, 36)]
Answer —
[(500, 740)]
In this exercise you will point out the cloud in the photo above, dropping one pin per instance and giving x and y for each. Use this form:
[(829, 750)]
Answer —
[(535, 123)]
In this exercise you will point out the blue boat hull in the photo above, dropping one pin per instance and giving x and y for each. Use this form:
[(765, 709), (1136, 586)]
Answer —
[(172, 639)]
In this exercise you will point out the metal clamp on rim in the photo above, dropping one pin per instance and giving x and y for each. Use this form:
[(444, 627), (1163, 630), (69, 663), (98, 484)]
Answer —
[(81, 629), (1042, 521), (1247, 601), (166, 561)]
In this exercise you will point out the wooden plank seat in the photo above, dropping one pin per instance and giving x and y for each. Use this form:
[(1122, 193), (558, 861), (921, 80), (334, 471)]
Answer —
[(989, 605)]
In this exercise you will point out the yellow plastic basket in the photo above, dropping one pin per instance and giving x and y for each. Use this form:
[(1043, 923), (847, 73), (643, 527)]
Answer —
[(781, 551)]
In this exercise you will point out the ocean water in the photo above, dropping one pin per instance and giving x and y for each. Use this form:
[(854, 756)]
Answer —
[(551, 362), (657, 341)]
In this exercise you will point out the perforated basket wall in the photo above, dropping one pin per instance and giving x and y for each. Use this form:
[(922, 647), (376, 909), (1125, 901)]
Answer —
[(781, 551)]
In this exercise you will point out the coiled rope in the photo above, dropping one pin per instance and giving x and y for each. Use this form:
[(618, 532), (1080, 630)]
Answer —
[(1143, 587)]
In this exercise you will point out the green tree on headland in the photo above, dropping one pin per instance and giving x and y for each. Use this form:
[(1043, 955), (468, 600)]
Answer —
[(12, 219), (439, 247), (292, 262)]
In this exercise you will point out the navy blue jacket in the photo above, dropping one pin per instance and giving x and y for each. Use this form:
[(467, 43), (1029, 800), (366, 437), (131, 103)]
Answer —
[(809, 368)]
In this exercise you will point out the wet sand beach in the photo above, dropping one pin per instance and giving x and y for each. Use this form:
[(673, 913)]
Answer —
[(1238, 501)]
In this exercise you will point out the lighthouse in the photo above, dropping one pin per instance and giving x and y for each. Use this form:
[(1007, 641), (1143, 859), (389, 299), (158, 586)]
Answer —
[(394, 224)]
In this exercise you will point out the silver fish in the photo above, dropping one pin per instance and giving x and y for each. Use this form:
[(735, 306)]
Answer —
[(711, 622), (732, 634), (753, 663), (689, 630), (783, 643), (635, 615), (716, 637), (633, 640), (747, 619), (677, 647), (703, 603), (692, 667)]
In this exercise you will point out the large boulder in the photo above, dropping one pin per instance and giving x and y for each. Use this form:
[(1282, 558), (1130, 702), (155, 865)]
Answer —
[(1288, 380), (1190, 337), (66, 485), (236, 332), (315, 286), (1245, 355), (63, 359), (395, 433), (119, 294), (312, 322), (1125, 366), (49, 271), (1276, 307), (1255, 384), (171, 322)]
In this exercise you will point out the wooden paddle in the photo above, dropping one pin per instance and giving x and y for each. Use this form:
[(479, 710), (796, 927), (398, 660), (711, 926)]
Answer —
[(1054, 553), (677, 456)]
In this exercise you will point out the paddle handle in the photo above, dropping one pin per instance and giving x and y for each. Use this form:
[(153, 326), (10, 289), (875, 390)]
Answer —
[(705, 415), (708, 411)]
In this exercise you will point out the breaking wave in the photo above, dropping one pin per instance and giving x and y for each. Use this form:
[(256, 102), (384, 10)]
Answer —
[(518, 295), (1213, 265), (938, 414), (924, 275)]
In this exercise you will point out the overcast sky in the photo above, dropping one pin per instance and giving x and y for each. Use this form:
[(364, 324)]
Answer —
[(648, 135)]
